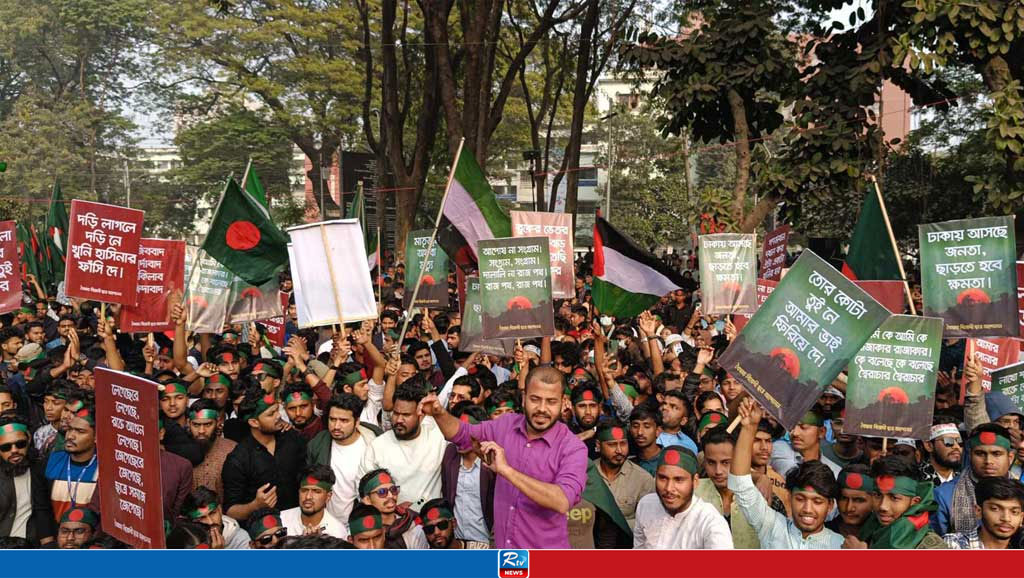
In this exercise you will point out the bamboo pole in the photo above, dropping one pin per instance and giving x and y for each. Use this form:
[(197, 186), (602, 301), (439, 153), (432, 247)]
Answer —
[(895, 248)]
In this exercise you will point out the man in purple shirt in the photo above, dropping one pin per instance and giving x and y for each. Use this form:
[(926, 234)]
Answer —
[(541, 465)]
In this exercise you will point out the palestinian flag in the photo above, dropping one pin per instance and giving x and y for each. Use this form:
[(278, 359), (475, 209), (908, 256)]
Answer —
[(244, 239), (470, 213), (871, 257), (357, 210), (627, 279), (254, 187), (56, 234)]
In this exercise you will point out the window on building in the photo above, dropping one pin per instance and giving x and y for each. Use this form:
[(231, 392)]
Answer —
[(629, 100)]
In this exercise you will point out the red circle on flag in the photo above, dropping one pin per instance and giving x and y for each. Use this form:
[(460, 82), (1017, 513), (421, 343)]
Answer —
[(269, 522), (433, 514), (311, 481), (242, 235), (672, 458), (987, 438), (885, 483), (716, 417), (854, 481), (368, 522), (588, 395), (617, 433), (464, 418), (76, 515), (269, 398), (385, 479)]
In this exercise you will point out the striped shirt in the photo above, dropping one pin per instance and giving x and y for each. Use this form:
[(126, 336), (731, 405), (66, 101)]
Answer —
[(774, 530)]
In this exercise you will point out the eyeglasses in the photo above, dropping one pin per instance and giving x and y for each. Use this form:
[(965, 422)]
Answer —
[(383, 492), (20, 444), (950, 442), (74, 531), (266, 540), (428, 529)]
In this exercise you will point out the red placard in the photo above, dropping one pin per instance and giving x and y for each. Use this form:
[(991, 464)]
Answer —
[(773, 255), (275, 325), (161, 272), (764, 289), (103, 251), (10, 278), (889, 293), (992, 353), (1020, 296), (128, 442)]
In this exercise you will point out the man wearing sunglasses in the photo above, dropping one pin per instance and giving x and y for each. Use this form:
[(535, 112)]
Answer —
[(24, 500), (378, 489), (265, 529), (439, 527), (945, 449)]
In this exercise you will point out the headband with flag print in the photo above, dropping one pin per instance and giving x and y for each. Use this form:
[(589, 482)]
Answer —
[(375, 482), (225, 357), (203, 414), (87, 413), (203, 510), (439, 512), (298, 396), (989, 438), (13, 427), (312, 480), (268, 522), (173, 387), (679, 457), (712, 418), (505, 404), (367, 523), (611, 434), (858, 482), (219, 379), (81, 515), (466, 418), (269, 368), (262, 404), (581, 394), (354, 377), (901, 485)]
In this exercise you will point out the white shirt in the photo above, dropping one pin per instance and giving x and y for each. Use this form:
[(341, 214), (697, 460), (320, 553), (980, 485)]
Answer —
[(292, 520), (469, 512), (23, 509), (234, 537), (414, 464), (415, 539), (774, 530), (374, 403), (345, 462), (698, 527)]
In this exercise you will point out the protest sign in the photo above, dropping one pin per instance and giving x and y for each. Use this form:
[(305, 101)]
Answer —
[(969, 276), (128, 448), (992, 354), (890, 389), (103, 252), (557, 227), (1010, 381), (515, 276), (433, 293), (471, 338), (728, 273), (1020, 296), (252, 303), (10, 278), (773, 255), (888, 293), (161, 273), (207, 293), (765, 288), (275, 325), (329, 274), (801, 338)]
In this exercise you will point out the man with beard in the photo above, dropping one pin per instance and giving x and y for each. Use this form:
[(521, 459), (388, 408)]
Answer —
[(541, 465), (299, 405), (77, 526), (218, 389), (626, 481), (812, 489), (263, 470), (673, 518), (990, 455), (24, 502), (413, 449), (856, 497), (341, 447), (586, 408), (202, 506), (439, 526), (945, 451), (311, 515), (1001, 509), (204, 421), (73, 473), (467, 484), (378, 489)]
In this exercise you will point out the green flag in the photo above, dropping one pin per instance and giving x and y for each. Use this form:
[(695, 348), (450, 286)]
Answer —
[(244, 239), (254, 186), (597, 492), (29, 262), (56, 234), (871, 256), (357, 210)]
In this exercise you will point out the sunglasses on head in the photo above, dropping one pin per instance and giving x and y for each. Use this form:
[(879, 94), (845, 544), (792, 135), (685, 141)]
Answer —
[(383, 492), (20, 444), (429, 528), (280, 533), (950, 442)]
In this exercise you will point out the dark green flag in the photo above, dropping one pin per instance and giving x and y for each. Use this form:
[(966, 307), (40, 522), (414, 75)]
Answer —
[(244, 239)]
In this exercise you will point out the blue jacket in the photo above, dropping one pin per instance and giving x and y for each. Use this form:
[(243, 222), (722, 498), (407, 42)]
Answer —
[(944, 497)]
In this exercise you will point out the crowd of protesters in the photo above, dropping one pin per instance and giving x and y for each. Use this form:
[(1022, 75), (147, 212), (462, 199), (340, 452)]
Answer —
[(613, 433)]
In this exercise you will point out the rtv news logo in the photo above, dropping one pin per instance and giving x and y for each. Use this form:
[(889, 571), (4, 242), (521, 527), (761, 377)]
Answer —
[(513, 563)]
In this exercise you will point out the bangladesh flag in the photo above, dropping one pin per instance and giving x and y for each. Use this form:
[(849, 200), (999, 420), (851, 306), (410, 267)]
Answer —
[(598, 493), (627, 279), (871, 256), (56, 234), (27, 252), (357, 210), (244, 239), (470, 213), (254, 187)]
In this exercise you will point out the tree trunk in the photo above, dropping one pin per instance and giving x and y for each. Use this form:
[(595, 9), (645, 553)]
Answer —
[(741, 135), (757, 215)]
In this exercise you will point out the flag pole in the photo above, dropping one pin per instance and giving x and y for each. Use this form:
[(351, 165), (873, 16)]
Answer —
[(246, 175), (334, 282), (895, 248), (380, 265), (430, 246)]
